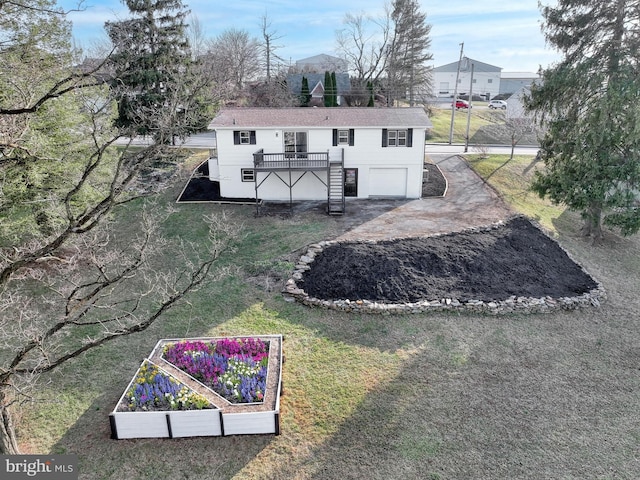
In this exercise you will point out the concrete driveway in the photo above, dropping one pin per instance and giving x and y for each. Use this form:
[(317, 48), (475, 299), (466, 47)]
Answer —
[(468, 202)]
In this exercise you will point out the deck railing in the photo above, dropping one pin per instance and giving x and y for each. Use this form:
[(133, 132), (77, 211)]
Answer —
[(290, 161)]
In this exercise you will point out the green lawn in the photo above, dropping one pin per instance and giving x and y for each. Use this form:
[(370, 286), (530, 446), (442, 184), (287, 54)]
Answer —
[(486, 127), (425, 396)]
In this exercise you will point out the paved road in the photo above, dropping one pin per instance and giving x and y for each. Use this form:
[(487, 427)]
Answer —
[(442, 148)]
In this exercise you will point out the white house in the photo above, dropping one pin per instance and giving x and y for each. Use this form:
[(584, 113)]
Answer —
[(319, 153), (515, 104), (486, 78)]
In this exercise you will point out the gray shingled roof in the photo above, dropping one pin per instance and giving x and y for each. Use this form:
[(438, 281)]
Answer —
[(294, 82), (321, 117)]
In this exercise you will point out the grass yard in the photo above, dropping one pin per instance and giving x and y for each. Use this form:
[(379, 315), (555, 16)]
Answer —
[(487, 127), (440, 396)]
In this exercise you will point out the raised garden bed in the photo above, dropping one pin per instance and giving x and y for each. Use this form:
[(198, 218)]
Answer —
[(165, 401)]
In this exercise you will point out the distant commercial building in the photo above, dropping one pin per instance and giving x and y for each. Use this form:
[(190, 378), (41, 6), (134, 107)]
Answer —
[(486, 78), (512, 82)]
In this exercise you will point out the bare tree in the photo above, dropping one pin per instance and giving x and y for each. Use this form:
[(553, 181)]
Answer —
[(58, 139), (197, 37), (235, 56), (519, 128), (94, 289), (363, 42), (269, 47)]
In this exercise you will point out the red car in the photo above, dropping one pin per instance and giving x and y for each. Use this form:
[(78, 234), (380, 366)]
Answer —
[(461, 104)]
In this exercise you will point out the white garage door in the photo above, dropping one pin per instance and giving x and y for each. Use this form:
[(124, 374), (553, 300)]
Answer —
[(388, 182)]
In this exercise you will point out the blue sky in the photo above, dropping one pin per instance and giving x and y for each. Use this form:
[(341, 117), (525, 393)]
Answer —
[(504, 34)]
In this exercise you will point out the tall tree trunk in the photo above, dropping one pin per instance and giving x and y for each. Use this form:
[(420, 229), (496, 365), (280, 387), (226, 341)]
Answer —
[(593, 222), (8, 440)]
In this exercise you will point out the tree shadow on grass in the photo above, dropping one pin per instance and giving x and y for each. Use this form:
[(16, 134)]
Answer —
[(518, 398), (185, 458)]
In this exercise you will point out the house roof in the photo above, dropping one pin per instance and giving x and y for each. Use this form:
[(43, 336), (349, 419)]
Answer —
[(323, 62), (465, 66), (349, 117), (294, 81)]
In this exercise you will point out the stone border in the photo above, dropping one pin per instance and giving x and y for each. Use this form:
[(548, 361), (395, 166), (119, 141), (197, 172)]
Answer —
[(513, 304)]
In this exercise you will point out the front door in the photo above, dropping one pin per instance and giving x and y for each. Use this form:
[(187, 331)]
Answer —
[(350, 182), (295, 144)]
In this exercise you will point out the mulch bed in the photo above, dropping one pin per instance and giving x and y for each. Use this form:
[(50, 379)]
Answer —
[(201, 189), (433, 182), (514, 259)]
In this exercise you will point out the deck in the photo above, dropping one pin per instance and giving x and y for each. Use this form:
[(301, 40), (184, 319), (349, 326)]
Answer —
[(270, 162)]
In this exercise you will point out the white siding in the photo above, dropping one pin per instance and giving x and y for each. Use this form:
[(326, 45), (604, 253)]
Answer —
[(367, 153)]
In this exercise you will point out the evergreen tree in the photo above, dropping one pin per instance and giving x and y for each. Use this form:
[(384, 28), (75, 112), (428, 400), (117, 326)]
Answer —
[(334, 90), (588, 104), (305, 96), (327, 89), (371, 102), (408, 71), (154, 72)]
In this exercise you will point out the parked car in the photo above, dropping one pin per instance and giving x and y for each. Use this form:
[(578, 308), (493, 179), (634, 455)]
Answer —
[(461, 104), (498, 104)]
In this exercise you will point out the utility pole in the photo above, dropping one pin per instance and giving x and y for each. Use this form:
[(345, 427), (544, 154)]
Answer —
[(455, 96), (466, 144)]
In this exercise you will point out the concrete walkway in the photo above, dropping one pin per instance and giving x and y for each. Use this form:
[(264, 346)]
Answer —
[(468, 202)]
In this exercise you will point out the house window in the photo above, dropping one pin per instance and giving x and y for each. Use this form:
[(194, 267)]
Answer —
[(344, 137), (397, 138), (248, 174), (244, 137)]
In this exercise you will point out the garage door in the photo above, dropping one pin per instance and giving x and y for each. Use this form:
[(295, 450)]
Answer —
[(388, 182)]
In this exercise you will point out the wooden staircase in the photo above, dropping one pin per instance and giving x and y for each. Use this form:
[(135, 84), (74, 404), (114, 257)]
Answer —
[(335, 188)]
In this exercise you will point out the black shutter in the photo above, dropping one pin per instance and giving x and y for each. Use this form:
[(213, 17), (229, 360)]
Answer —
[(384, 137), (236, 137), (352, 137), (335, 137), (252, 137), (410, 137)]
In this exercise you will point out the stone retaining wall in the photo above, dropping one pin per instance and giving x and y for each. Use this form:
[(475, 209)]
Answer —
[(513, 304)]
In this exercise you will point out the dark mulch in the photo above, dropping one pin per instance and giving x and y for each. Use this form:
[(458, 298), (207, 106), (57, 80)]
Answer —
[(433, 182), (516, 258), (201, 189)]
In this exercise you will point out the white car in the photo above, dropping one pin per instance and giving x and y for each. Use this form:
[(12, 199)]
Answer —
[(498, 104)]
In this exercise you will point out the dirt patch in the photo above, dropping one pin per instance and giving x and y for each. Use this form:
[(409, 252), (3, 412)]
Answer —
[(513, 259)]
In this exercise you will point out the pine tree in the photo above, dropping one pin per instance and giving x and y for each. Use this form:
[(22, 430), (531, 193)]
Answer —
[(153, 71), (327, 89), (334, 90), (588, 104), (305, 96), (408, 56), (371, 102)]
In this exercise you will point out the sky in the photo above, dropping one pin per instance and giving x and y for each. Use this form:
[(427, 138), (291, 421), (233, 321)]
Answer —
[(503, 34)]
